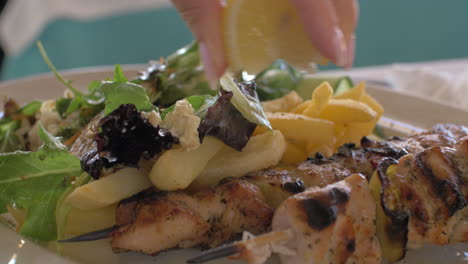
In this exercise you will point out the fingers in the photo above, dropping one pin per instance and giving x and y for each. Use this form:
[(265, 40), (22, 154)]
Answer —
[(323, 21), (204, 19), (347, 12)]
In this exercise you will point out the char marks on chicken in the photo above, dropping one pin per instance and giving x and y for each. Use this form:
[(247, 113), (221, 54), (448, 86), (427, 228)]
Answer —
[(151, 222)]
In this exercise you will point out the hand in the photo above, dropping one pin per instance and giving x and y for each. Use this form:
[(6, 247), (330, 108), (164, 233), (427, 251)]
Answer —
[(330, 24)]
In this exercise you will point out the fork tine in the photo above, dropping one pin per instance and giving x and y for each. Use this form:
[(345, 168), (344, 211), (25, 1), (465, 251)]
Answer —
[(215, 253), (91, 236)]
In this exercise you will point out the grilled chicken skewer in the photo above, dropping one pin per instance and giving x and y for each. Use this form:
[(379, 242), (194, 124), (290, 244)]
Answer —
[(334, 224), (423, 196), (152, 222), (276, 183)]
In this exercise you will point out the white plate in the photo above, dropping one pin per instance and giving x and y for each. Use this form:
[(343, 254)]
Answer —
[(403, 113)]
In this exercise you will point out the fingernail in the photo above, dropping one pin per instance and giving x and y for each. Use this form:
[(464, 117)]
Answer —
[(339, 47), (209, 66), (350, 51)]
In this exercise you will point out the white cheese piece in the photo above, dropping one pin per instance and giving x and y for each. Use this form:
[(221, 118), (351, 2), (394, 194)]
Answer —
[(183, 123)]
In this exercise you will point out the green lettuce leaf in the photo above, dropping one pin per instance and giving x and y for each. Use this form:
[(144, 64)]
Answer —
[(200, 104), (180, 76), (119, 93), (31, 108), (9, 141), (35, 181), (245, 101)]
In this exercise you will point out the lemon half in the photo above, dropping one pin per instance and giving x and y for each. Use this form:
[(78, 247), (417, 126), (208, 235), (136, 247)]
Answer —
[(257, 32)]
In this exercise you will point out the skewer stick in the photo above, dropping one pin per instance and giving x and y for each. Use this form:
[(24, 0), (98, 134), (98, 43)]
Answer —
[(91, 236), (238, 247)]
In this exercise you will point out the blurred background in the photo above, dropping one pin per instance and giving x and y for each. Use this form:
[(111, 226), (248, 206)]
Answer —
[(90, 35)]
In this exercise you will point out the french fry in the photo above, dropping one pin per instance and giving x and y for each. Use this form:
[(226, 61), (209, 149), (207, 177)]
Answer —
[(84, 221), (261, 152), (355, 93), (177, 168), (347, 111), (300, 108), (294, 153), (320, 98), (300, 128), (283, 104), (109, 190), (372, 103)]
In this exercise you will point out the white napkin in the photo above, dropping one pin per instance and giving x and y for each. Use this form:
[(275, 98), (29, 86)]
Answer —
[(444, 86), (22, 20)]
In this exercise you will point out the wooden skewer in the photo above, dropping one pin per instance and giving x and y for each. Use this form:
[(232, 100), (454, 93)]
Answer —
[(238, 247), (91, 236)]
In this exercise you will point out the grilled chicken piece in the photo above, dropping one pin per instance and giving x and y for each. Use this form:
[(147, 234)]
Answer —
[(431, 188), (441, 135), (321, 171), (155, 221), (334, 224)]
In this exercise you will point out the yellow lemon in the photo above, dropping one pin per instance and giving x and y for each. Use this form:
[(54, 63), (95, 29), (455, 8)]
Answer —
[(257, 32)]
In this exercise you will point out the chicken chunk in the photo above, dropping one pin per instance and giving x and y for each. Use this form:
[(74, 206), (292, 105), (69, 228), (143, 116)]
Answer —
[(334, 224), (155, 221)]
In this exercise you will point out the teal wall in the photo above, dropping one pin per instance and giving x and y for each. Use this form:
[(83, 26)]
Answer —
[(389, 31)]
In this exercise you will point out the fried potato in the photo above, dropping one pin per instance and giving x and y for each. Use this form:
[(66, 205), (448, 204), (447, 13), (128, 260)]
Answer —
[(347, 111), (283, 104), (176, 169), (300, 128), (300, 108), (355, 93), (262, 151), (294, 153), (320, 97), (109, 190), (84, 221), (372, 103)]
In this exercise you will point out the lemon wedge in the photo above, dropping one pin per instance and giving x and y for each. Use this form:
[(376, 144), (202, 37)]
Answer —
[(258, 32)]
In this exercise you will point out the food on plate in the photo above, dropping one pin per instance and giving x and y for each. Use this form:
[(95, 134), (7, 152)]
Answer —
[(132, 159), (421, 199)]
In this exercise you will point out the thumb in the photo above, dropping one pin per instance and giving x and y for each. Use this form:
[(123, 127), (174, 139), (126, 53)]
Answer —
[(204, 19)]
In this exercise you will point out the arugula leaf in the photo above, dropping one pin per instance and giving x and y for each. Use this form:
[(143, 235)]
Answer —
[(34, 181), (179, 77), (245, 99), (118, 93), (277, 80), (59, 77), (31, 108), (200, 104), (9, 141), (119, 75)]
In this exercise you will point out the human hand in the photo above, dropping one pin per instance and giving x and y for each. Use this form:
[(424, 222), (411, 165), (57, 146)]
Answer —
[(330, 25)]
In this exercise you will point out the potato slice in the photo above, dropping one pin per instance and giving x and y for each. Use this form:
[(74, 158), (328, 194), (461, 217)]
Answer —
[(261, 152), (283, 104), (391, 227), (320, 98), (300, 108), (347, 111), (355, 93), (84, 221), (300, 128), (109, 190), (294, 153), (177, 168), (372, 103)]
